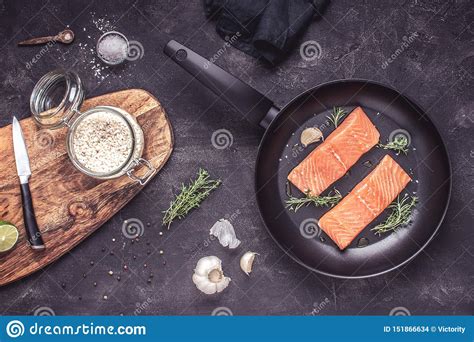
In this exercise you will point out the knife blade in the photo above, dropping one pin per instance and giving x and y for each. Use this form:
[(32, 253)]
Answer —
[(22, 162), (21, 153)]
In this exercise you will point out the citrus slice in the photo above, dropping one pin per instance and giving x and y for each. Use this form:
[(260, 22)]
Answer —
[(8, 236)]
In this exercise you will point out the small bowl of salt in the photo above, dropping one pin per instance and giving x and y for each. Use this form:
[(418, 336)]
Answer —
[(112, 48)]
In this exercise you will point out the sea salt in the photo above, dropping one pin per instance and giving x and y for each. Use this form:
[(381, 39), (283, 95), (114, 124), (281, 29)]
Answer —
[(112, 49), (102, 142), (102, 24)]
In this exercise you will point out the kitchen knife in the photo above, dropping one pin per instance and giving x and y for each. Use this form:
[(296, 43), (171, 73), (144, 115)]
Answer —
[(24, 173)]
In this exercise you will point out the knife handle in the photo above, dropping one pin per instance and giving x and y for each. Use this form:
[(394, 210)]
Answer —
[(31, 227)]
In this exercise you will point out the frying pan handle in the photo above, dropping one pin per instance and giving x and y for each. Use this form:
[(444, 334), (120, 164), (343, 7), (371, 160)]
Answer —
[(254, 106)]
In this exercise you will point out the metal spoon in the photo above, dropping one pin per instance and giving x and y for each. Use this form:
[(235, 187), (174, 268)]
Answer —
[(65, 37)]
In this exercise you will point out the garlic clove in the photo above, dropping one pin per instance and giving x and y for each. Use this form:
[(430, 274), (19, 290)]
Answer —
[(246, 262), (310, 135), (223, 284), (204, 285), (225, 233), (208, 275), (206, 264)]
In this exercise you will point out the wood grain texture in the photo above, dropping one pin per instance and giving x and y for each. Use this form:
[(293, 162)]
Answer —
[(69, 205)]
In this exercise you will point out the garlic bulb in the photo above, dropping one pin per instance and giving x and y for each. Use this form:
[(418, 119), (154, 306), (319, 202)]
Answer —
[(224, 231), (246, 262), (208, 276), (311, 135)]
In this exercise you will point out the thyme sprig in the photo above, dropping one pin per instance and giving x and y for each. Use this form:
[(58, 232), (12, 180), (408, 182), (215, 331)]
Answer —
[(337, 114), (190, 197), (295, 203), (400, 215), (399, 144)]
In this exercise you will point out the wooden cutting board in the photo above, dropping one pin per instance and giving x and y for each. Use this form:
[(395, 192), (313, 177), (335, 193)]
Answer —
[(69, 205)]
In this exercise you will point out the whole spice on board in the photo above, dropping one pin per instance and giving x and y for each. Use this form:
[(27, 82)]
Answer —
[(190, 197), (102, 142)]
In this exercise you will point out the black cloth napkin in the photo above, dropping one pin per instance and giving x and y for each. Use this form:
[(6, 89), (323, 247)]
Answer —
[(263, 28)]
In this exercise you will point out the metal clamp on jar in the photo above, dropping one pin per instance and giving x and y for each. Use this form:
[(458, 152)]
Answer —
[(103, 142)]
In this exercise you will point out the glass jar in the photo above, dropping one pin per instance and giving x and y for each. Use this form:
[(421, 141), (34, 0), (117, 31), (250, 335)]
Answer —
[(104, 142)]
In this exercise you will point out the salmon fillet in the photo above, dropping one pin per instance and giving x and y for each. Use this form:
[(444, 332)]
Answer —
[(336, 155), (365, 202)]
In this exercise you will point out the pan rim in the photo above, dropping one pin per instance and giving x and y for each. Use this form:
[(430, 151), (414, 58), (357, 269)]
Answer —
[(445, 150)]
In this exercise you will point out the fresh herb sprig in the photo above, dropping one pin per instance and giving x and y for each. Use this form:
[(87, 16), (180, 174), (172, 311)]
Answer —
[(399, 144), (295, 203), (400, 215), (190, 197), (337, 114)]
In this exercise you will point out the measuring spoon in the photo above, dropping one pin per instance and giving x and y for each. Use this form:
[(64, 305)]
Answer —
[(65, 37)]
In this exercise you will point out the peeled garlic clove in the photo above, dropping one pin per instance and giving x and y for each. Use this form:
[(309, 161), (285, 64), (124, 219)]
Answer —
[(310, 135), (208, 275), (225, 233), (246, 262)]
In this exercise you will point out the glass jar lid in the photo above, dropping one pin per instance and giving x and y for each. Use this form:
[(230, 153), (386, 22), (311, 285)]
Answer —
[(56, 97)]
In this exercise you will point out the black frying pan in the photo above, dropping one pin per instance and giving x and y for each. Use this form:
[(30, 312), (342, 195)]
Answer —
[(390, 111)]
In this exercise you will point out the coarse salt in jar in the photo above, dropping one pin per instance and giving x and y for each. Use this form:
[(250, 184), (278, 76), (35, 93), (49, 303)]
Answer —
[(103, 142)]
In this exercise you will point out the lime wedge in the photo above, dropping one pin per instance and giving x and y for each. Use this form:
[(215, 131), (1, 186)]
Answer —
[(8, 236)]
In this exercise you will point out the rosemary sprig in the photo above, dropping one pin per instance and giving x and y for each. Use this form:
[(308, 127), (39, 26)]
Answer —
[(400, 215), (190, 197), (399, 144), (295, 203), (336, 116)]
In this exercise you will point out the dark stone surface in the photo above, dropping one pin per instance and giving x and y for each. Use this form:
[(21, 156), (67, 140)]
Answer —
[(356, 39)]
